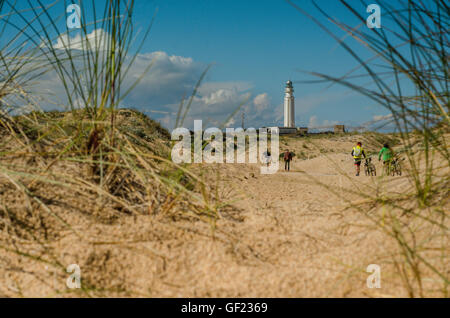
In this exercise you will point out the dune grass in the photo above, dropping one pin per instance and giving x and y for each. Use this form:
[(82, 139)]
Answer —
[(122, 156)]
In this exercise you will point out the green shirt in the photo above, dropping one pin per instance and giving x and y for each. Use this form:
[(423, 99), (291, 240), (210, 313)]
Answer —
[(386, 153)]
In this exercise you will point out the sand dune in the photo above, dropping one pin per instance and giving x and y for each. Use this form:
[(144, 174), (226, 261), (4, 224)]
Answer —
[(290, 234)]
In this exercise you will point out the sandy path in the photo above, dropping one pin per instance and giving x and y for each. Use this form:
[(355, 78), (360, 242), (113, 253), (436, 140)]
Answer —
[(285, 235), (308, 247)]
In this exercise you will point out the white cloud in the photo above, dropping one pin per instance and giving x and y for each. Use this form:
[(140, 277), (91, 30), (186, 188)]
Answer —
[(96, 40), (315, 123), (382, 117), (208, 87), (230, 122), (261, 112), (169, 79), (214, 105), (261, 101), (219, 97)]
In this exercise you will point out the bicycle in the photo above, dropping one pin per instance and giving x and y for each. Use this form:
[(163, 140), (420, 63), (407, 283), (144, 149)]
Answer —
[(395, 167), (369, 168)]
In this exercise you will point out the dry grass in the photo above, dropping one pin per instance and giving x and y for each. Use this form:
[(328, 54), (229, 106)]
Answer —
[(51, 194)]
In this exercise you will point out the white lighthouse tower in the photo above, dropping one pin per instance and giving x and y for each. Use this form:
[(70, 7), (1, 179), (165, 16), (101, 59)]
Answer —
[(289, 111)]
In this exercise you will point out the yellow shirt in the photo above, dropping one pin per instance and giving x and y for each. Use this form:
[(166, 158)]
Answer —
[(357, 152)]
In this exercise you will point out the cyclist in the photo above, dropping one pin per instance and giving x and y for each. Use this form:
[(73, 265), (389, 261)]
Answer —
[(387, 154), (358, 153)]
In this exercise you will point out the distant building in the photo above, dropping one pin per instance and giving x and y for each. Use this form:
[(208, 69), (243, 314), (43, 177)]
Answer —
[(285, 130), (339, 129), (302, 130)]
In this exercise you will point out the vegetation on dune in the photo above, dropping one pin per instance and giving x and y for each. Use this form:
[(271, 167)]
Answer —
[(116, 160)]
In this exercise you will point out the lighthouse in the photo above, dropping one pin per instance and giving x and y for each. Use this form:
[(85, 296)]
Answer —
[(289, 111), (289, 114)]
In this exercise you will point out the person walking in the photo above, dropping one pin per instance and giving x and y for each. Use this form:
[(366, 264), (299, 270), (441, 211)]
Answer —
[(287, 160), (358, 153), (387, 154)]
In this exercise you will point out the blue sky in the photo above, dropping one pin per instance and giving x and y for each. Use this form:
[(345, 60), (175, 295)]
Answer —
[(263, 43), (254, 46)]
